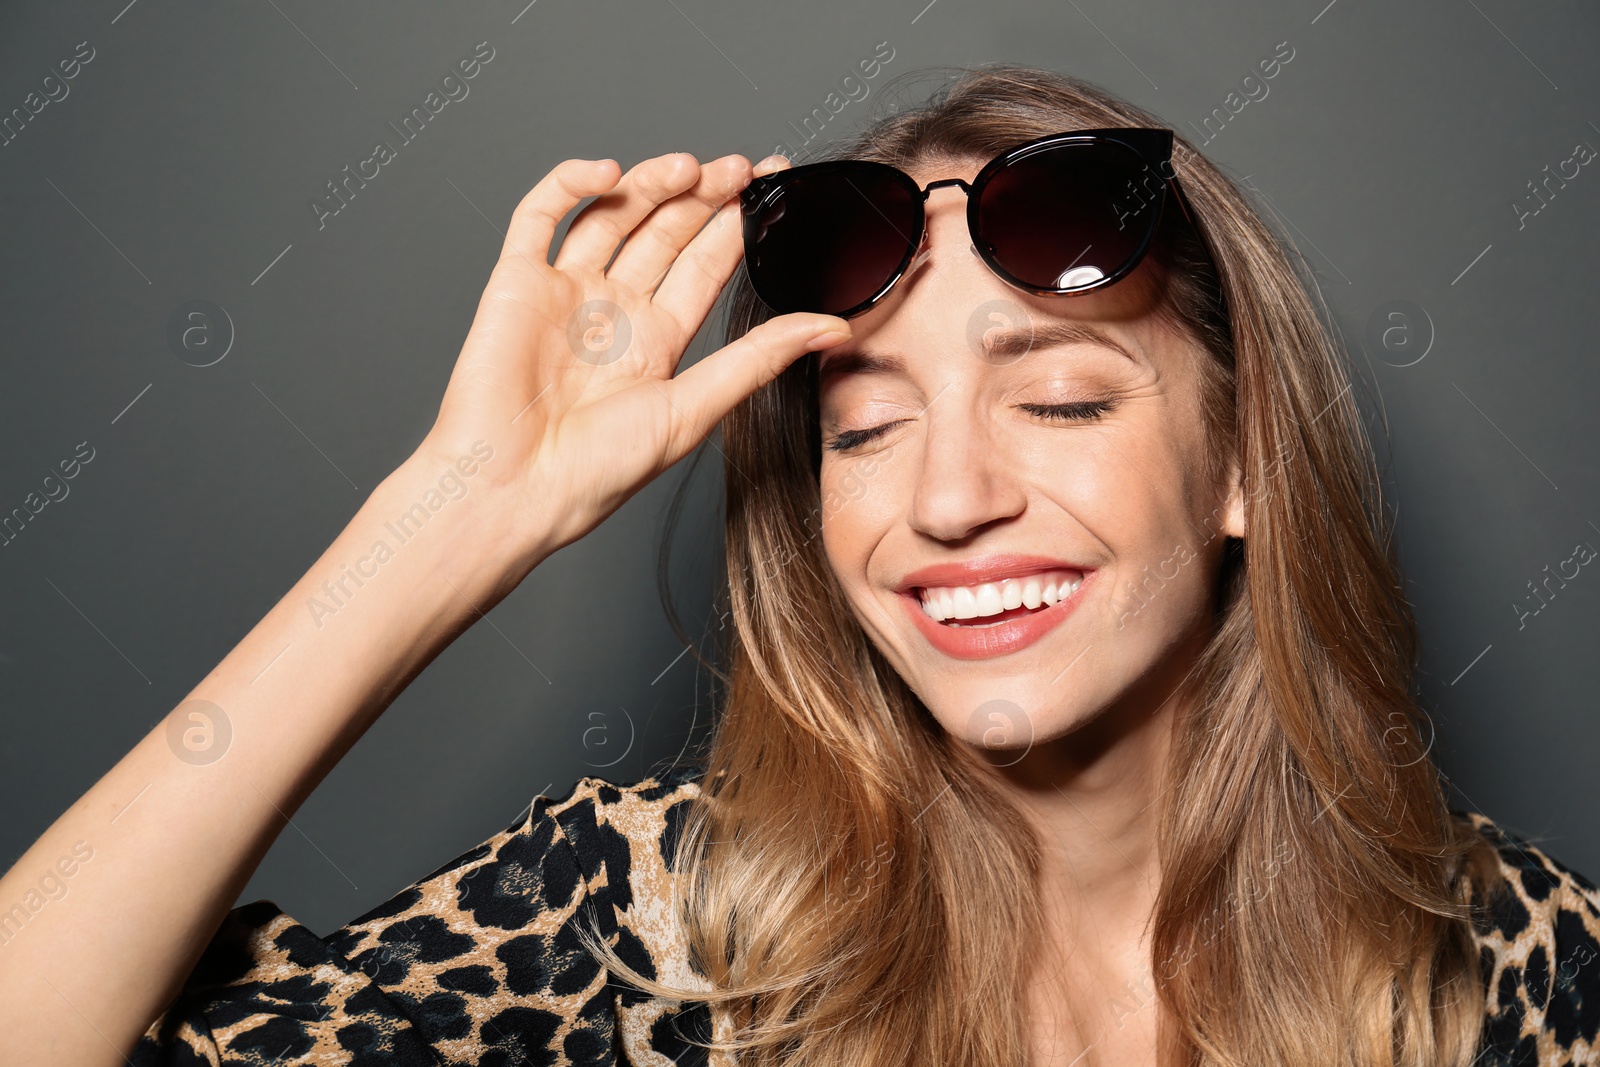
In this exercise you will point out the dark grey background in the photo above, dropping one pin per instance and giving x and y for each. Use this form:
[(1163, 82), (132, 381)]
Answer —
[(181, 167)]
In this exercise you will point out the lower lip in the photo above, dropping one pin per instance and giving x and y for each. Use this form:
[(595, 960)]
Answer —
[(996, 639)]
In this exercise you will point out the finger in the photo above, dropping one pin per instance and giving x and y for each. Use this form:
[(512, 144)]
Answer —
[(650, 249), (594, 235), (703, 268), (534, 221), (771, 163), (704, 393)]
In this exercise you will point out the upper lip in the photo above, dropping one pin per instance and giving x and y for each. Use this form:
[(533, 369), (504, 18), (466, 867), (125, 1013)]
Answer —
[(984, 569)]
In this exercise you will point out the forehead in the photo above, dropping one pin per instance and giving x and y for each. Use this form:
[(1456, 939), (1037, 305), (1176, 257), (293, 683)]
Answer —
[(932, 167), (1001, 346)]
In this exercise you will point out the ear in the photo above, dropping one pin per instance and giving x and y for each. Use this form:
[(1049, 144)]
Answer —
[(1233, 510)]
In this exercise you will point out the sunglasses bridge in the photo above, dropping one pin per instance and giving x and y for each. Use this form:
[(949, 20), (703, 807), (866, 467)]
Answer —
[(923, 248), (965, 185)]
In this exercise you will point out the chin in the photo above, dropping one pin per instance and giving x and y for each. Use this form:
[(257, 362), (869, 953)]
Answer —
[(1007, 720)]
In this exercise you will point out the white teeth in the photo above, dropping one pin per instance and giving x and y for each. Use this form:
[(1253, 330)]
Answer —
[(991, 598)]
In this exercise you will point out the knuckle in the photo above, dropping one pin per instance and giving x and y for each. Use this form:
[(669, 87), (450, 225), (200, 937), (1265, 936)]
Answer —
[(768, 339), (667, 175), (703, 270), (531, 209), (727, 179), (567, 177), (516, 263), (654, 187), (609, 227), (663, 243), (674, 429)]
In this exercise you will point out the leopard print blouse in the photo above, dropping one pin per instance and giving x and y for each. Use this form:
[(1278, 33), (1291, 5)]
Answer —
[(477, 963)]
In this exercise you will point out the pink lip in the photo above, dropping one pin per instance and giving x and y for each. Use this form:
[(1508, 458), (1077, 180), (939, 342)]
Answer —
[(999, 639), (984, 569)]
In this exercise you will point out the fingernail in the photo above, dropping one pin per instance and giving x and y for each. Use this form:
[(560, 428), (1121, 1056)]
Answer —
[(830, 337)]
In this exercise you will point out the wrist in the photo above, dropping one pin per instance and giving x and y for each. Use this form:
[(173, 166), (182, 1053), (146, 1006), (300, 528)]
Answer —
[(456, 506)]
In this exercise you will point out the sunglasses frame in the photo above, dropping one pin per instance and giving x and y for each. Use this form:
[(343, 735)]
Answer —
[(1151, 145)]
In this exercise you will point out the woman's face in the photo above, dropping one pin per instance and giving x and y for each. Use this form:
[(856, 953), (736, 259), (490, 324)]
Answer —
[(974, 487)]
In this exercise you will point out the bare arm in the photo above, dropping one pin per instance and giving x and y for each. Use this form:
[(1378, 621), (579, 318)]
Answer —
[(537, 441), (175, 829)]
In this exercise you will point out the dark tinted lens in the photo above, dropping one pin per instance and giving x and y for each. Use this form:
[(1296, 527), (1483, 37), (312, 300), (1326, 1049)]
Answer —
[(829, 241), (1069, 216)]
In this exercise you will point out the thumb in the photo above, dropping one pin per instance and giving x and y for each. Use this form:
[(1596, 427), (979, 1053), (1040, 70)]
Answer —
[(707, 391)]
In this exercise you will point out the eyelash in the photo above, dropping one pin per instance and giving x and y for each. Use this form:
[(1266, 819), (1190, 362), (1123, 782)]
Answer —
[(1085, 410)]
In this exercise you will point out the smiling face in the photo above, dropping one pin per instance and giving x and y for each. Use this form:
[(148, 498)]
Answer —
[(1035, 460)]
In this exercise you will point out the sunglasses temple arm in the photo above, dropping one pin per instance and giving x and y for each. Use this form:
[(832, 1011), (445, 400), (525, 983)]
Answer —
[(1191, 217)]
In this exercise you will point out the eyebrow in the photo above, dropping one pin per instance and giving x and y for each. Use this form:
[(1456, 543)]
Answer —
[(1005, 344)]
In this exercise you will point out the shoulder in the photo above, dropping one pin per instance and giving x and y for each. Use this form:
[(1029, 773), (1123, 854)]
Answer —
[(625, 837), (1538, 936), (608, 797), (483, 951), (607, 822)]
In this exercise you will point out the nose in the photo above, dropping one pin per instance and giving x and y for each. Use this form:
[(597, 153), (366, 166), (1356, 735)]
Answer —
[(967, 481), (925, 246), (925, 249)]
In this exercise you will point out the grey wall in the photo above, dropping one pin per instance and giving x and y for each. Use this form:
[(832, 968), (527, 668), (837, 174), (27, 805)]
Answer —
[(1395, 145)]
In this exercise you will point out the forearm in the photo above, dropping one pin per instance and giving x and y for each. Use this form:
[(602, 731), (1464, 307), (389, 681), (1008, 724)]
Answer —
[(175, 829)]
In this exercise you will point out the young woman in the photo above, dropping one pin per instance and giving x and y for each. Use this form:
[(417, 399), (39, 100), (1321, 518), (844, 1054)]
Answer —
[(1068, 710)]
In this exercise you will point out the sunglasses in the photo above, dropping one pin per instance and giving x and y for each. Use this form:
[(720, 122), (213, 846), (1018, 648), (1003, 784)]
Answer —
[(1060, 215)]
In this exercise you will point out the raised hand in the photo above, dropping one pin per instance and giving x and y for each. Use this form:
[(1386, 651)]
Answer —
[(568, 369)]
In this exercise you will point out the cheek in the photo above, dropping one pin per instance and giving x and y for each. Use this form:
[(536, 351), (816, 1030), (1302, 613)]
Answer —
[(1087, 478), (1161, 575), (1133, 499), (1112, 484), (859, 501), (1159, 592)]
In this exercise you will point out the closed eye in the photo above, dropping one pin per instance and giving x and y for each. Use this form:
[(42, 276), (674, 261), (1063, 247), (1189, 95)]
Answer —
[(1077, 410), (846, 440)]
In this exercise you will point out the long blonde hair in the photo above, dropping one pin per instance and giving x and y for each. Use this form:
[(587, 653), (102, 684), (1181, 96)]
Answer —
[(858, 895)]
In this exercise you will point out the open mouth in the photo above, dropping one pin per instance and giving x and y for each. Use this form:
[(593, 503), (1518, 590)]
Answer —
[(993, 603)]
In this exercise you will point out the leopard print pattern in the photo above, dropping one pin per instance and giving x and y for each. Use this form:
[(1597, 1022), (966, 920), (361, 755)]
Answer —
[(478, 963), (1539, 945)]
